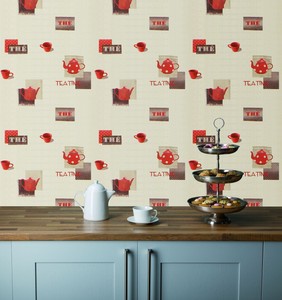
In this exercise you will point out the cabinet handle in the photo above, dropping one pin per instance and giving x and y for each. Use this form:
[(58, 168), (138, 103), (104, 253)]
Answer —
[(126, 253), (150, 252)]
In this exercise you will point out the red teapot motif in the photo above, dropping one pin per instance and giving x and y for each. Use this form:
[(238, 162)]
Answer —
[(261, 157), (29, 94), (73, 157), (29, 4), (29, 185), (167, 157), (123, 185), (168, 66), (73, 67), (261, 66), (123, 94), (217, 94), (217, 4), (123, 4)]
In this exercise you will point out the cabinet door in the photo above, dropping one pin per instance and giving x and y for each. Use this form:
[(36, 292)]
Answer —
[(272, 271), (5, 271), (200, 270), (74, 270)]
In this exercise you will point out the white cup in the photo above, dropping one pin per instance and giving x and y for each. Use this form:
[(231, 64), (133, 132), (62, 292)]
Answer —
[(144, 214)]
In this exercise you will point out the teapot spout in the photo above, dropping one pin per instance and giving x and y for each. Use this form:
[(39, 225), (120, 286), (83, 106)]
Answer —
[(252, 155), (252, 65), (109, 194), (65, 65), (159, 65)]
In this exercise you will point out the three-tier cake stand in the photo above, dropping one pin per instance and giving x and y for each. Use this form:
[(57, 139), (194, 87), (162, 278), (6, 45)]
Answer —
[(217, 210)]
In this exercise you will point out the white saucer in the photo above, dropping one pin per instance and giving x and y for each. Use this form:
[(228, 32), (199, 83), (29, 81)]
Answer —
[(132, 220)]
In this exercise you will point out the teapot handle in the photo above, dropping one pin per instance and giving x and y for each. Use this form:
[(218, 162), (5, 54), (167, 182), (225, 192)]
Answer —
[(269, 156), (81, 66), (81, 156), (176, 66), (269, 66), (175, 156)]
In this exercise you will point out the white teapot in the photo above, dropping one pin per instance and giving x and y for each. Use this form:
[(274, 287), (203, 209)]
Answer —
[(96, 199)]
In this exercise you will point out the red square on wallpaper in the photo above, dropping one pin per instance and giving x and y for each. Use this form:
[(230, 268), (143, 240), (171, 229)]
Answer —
[(9, 43), (104, 133), (10, 133), (104, 42), (198, 42), (198, 133)]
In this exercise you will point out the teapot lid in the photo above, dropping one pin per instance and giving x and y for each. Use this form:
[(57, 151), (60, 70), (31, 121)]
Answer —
[(96, 186)]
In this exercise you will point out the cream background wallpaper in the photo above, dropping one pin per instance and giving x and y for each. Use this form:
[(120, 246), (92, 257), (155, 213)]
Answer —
[(95, 110)]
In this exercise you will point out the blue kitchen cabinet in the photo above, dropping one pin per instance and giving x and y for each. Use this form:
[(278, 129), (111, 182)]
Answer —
[(200, 270), (5, 271), (272, 271), (67, 270)]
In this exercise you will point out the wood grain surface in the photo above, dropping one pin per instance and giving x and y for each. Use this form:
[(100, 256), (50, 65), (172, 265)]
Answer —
[(175, 224)]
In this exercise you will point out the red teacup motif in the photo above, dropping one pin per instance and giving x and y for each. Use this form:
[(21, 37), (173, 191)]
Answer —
[(6, 164), (234, 46), (7, 74), (194, 74), (235, 137), (47, 46), (194, 164), (101, 74), (141, 137), (46, 137), (141, 46), (100, 164)]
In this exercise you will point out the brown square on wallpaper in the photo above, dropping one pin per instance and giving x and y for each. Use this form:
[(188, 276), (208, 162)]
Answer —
[(112, 49), (65, 23), (253, 23), (271, 173), (65, 114), (18, 49), (210, 99), (83, 83), (83, 173), (159, 23), (253, 201), (159, 114), (18, 140), (178, 82), (272, 82), (205, 49), (177, 173), (253, 114), (66, 202), (158, 202)]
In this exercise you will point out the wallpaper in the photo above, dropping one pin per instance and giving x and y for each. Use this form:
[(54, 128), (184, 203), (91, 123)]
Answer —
[(124, 92)]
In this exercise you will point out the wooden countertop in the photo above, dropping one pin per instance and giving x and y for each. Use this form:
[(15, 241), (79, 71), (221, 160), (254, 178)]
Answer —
[(175, 224)]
